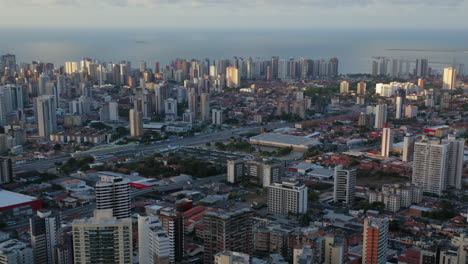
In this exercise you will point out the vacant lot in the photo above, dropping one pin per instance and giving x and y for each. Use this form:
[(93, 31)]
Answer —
[(376, 181)]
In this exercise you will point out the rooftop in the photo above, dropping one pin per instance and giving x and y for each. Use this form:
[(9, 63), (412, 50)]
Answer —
[(286, 139), (8, 198)]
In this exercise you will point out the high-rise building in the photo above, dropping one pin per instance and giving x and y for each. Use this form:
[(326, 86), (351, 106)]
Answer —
[(430, 165), (46, 115), (44, 229), (172, 224), (136, 123), (454, 160), (400, 103), (380, 112), (170, 108), (256, 171), (193, 104), (287, 197), (387, 141), (153, 241), (274, 67), (375, 243), (217, 117), (232, 77), (408, 147), (103, 239), (344, 87), (422, 68), (6, 170), (13, 251), (334, 250), (227, 231), (411, 111), (204, 107), (303, 254), (230, 257), (450, 75), (345, 185), (361, 88), (113, 192)]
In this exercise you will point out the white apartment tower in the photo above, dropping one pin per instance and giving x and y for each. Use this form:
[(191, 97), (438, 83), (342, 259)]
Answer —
[(103, 239), (380, 112), (344, 185), (113, 192), (449, 77), (430, 166), (387, 141), (153, 242), (287, 197)]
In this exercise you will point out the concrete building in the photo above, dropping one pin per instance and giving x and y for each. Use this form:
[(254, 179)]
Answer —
[(232, 77), (287, 197), (380, 112), (344, 87), (303, 255), (361, 88), (344, 186), (46, 115), (217, 117), (113, 192), (400, 103), (170, 108), (136, 123), (334, 250), (227, 231), (205, 107), (153, 241), (44, 229), (449, 77), (13, 251), (411, 111), (408, 147), (172, 224), (103, 239), (387, 141), (375, 243), (455, 160), (6, 170), (230, 257), (256, 171)]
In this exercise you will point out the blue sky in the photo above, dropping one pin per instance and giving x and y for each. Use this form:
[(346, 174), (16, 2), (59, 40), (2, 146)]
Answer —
[(235, 14)]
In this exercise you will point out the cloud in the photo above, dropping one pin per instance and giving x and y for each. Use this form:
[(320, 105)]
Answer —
[(237, 3)]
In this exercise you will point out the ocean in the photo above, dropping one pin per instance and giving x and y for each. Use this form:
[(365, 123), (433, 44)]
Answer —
[(353, 48)]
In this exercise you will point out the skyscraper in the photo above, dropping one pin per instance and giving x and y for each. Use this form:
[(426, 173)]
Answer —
[(287, 197), (380, 115), (113, 192), (227, 231), (344, 87), (274, 67), (232, 77), (375, 243), (430, 165), (345, 185), (172, 224), (454, 160), (408, 147), (422, 68), (387, 141), (361, 88), (193, 104), (6, 170), (217, 117), (448, 82), (153, 241), (44, 229), (46, 115), (204, 107), (136, 123), (400, 103), (103, 239)]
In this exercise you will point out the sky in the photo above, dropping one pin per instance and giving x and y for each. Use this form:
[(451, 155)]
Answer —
[(235, 14)]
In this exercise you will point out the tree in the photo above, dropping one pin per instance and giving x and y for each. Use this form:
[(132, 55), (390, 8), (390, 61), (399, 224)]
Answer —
[(57, 147)]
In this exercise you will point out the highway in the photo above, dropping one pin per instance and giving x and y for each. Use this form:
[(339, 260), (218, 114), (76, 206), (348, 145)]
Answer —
[(140, 149)]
